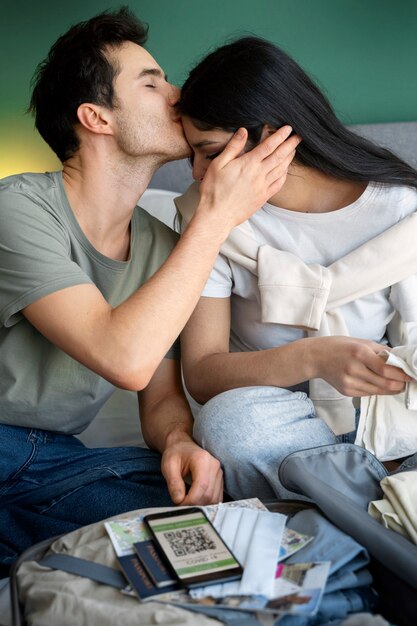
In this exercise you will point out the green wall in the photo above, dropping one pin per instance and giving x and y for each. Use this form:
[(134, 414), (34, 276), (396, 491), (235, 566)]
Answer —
[(363, 53)]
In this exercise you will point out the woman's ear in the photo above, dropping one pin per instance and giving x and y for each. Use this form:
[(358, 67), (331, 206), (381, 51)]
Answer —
[(267, 130)]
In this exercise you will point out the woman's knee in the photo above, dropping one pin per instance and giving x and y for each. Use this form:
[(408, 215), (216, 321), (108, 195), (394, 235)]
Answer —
[(245, 418), (215, 422)]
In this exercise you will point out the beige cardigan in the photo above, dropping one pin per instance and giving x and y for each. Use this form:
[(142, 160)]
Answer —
[(307, 296)]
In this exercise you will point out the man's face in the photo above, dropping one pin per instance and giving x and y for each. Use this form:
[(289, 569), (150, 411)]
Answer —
[(146, 121)]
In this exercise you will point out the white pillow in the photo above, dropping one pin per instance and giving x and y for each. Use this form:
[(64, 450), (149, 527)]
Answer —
[(160, 204)]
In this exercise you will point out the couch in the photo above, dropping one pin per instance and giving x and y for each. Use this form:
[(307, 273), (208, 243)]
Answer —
[(118, 421)]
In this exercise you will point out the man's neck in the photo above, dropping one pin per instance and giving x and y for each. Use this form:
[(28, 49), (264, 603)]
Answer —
[(103, 193)]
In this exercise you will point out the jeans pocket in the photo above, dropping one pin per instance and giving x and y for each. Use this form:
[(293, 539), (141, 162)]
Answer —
[(17, 453)]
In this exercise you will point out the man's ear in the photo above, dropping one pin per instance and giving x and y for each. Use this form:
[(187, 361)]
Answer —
[(95, 118)]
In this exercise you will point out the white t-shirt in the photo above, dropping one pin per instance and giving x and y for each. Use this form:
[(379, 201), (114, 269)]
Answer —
[(319, 238)]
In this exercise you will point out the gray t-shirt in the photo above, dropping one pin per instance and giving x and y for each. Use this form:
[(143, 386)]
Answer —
[(43, 250)]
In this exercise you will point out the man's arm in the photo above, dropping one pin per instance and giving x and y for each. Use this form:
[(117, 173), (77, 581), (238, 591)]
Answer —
[(351, 365), (167, 427), (125, 344)]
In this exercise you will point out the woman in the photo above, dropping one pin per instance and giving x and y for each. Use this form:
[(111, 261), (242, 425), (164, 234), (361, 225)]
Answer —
[(341, 191)]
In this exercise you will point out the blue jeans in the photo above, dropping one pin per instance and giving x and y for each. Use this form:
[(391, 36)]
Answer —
[(51, 484), (252, 429)]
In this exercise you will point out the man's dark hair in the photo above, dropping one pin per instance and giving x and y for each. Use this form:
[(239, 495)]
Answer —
[(76, 70)]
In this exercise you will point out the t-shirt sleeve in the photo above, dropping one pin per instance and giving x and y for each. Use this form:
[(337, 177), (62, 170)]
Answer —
[(220, 281), (34, 254)]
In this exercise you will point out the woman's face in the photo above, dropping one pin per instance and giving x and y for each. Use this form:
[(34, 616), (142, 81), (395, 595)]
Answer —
[(205, 144)]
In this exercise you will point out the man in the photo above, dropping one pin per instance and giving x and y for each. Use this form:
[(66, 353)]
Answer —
[(94, 292)]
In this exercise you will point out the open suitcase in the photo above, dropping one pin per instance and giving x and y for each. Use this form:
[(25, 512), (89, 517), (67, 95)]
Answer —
[(339, 480)]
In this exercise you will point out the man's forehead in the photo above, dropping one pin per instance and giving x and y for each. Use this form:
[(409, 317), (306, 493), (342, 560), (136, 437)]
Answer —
[(130, 54)]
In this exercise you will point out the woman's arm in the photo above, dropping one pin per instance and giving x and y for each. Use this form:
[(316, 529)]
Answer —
[(351, 365)]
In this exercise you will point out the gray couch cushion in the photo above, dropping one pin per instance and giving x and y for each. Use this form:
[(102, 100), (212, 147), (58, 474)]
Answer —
[(175, 176), (399, 137)]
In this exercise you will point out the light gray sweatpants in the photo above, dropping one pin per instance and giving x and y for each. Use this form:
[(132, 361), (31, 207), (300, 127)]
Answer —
[(251, 430)]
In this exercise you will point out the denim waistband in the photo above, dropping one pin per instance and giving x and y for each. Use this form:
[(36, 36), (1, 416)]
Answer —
[(34, 435)]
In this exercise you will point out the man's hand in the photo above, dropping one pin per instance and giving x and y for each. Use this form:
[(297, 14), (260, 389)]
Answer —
[(355, 367), (167, 426), (236, 185), (183, 457)]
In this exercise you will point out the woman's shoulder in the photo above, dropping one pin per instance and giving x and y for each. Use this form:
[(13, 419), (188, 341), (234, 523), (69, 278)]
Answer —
[(401, 200)]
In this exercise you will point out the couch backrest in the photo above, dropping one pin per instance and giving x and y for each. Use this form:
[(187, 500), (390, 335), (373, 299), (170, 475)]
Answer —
[(399, 137)]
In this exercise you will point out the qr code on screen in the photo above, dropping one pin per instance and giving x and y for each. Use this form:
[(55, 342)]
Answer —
[(189, 541)]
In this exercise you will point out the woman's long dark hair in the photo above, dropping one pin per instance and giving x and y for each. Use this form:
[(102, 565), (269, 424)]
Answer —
[(251, 82)]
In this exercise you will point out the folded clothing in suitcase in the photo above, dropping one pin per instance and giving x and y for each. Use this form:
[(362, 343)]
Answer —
[(342, 480)]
